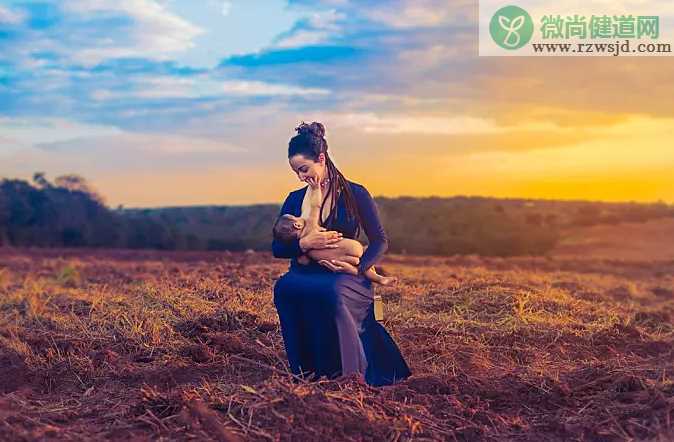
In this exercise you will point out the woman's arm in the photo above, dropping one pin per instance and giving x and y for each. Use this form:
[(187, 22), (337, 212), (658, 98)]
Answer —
[(281, 249), (376, 235)]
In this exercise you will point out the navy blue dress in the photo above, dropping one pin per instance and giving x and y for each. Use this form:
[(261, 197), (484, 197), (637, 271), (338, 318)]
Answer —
[(327, 318)]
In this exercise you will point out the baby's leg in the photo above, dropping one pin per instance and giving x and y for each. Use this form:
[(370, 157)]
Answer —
[(348, 250), (373, 276)]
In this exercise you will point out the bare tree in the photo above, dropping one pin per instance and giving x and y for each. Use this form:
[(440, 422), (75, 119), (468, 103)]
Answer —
[(75, 183), (40, 180)]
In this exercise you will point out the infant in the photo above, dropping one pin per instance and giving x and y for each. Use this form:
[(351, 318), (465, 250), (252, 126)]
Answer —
[(289, 227)]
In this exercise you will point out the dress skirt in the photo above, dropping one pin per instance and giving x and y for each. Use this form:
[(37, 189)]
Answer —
[(328, 327)]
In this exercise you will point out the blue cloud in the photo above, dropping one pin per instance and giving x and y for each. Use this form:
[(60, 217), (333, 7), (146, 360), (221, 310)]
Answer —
[(130, 66), (306, 54), (42, 15), (42, 74)]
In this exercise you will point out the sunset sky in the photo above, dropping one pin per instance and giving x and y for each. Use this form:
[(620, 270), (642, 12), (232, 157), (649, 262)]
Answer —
[(177, 102)]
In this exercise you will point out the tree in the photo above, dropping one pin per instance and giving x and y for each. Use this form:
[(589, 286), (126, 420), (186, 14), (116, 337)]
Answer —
[(76, 183), (4, 219), (40, 180)]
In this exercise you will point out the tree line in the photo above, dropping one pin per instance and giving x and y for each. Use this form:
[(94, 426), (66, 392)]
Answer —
[(69, 212)]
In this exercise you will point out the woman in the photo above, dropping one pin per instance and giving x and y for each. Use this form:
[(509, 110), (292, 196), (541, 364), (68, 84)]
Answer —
[(327, 318)]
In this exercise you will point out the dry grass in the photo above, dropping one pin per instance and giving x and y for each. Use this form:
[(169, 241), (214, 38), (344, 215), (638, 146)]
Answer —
[(147, 345)]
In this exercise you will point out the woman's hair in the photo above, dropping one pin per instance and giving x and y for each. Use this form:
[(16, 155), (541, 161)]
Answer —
[(310, 142)]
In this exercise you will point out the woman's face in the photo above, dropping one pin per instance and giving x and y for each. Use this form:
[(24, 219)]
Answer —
[(306, 167)]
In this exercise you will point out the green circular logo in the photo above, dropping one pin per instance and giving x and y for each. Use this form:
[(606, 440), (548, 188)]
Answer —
[(511, 27)]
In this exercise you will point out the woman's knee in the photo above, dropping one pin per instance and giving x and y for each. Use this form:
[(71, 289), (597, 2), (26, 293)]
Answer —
[(331, 295), (282, 291)]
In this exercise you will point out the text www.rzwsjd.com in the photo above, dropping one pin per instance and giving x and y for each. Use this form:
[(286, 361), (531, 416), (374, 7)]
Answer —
[(614, 49)]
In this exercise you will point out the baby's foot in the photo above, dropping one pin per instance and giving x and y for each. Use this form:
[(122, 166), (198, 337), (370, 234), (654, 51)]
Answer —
[(387, 280)]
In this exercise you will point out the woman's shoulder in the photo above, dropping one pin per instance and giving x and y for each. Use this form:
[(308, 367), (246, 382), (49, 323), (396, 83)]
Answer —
[(298, 192), (358, 189), (355, 185)]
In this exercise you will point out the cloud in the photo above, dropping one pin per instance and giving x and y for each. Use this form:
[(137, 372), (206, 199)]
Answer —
[(334, 56), (10, 146), (58, 134), (618, 149), (319, 28), (399, 79), (31, 131), (587, 84), (403, 14), (305, 54), (163, 87), (141, 142), (10, 17), (89, 32), (226, 8), (539, 8), (156, 33), (425, 124), (61, 146), (343, 48), (302, 38), (261, 88)]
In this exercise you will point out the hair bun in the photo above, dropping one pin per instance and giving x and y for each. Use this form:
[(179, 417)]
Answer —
[(315, 128)]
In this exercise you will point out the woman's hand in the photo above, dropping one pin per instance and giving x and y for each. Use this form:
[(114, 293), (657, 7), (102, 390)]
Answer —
[(321, 239), (339, 266)]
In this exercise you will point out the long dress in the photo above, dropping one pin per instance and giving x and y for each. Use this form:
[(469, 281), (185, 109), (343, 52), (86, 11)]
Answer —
[(327, 318)]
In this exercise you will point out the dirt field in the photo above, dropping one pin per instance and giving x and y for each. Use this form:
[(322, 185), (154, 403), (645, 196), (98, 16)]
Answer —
[(186, 346)]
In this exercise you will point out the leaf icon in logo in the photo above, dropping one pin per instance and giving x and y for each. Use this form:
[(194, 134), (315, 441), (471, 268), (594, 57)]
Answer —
[(517, 23), (512, 27), (509, 26)]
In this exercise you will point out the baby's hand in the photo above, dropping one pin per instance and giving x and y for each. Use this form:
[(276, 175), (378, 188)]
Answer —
[(313, 182)]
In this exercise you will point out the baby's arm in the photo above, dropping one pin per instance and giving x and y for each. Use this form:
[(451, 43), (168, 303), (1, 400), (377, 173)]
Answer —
[(311, 223), (315, 207)]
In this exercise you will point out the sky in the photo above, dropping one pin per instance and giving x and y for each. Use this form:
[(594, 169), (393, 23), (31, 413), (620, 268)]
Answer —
[(176, 102)]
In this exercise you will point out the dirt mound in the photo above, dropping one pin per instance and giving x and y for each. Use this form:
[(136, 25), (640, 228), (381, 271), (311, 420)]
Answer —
[(430, 384), (191, 412), (224, 321), (14, 373)]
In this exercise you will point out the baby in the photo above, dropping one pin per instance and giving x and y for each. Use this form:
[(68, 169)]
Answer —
[(289, 227)]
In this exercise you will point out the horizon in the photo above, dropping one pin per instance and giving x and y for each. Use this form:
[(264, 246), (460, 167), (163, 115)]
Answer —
[(509, 198), (458, 195), (161, 103)]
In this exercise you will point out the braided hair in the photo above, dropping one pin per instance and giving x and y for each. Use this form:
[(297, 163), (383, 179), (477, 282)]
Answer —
[(310, 142)]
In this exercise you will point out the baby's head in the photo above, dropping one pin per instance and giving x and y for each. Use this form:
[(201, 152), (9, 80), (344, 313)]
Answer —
[(288, 227)]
